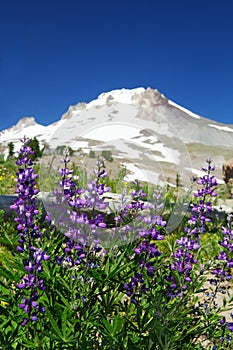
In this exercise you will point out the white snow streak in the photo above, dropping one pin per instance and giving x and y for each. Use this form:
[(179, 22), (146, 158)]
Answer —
[(220, 127), (194, 115)]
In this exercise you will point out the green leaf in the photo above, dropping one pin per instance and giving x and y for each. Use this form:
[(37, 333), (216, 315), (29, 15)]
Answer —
[(107, 266), (4, 288), (116, 268), (54, 325), (64, 323), (66, 303), (6, 274), (63, 282)]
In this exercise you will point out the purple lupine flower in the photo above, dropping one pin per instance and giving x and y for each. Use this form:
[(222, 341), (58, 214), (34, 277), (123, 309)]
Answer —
[(84, 219), (184, 259), (222, 271), (227, 244), (149, 231), (136, 287), (29, 233)]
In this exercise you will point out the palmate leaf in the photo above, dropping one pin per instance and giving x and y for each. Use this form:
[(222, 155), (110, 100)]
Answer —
[(64, 300), (29, 344), (4, 273), (64, 324), (6, 256), (63, 283), (110, 298), (68, 328), (54, 325), (115, 267), (4, 287), (118, 269), (10, 333), (107, 266), (112, 328), (10, 275), (6, 240), (64, 334)]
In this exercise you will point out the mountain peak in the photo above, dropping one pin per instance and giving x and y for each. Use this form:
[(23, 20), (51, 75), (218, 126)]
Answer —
[(151, 98), (140, 96), (24, 122), (123, 95), (138, 125)]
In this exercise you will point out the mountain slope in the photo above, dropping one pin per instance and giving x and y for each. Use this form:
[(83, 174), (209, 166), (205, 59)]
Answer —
[(141, 127)]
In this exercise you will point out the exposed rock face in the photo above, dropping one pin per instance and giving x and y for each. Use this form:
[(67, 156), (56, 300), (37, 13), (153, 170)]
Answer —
[(26, 121), (74, 109), (23, 123), (152, 98), (227, 171)]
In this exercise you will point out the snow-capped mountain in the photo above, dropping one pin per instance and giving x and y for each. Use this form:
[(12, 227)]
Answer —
[(144, 130)]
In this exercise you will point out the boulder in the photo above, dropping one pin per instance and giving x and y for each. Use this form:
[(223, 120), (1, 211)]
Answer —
[(227, 172), (49, 203), (5, 202)]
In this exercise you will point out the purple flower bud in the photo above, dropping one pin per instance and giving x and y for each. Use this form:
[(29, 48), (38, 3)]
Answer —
[(25, 321)]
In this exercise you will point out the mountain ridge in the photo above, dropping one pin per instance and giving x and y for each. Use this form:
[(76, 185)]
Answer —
[(116, 96), (140, 126)]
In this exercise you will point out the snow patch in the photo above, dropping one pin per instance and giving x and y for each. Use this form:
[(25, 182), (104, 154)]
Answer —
[(112, 132), (137, 173), (122, 136), (201, 173), (220, 127), (194, 115), (119, 95)]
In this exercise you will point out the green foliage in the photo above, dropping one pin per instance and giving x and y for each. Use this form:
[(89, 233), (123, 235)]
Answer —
[(87, 308), (178, 181), (8, 169), (35, 145), (60, 150), (105, 318), (107, 155), (92, 153), (11, 149)]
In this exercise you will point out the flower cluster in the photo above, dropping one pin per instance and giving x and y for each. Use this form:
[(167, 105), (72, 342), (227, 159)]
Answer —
[(222, 272), (227, 249), (136, 287), (84, 212), (227, 328), (29, 234), (149, 231), (128, 213), (89, 278), (83, 201), (184, 257)]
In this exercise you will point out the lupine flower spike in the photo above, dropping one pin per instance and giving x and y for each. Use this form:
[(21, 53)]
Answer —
[(29, 235)]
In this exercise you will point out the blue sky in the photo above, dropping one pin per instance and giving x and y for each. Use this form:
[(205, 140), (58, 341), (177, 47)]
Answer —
[(57, 53)]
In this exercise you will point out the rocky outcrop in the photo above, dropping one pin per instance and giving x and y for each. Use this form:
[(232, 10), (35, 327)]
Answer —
[(227, 172), (25, 121)]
